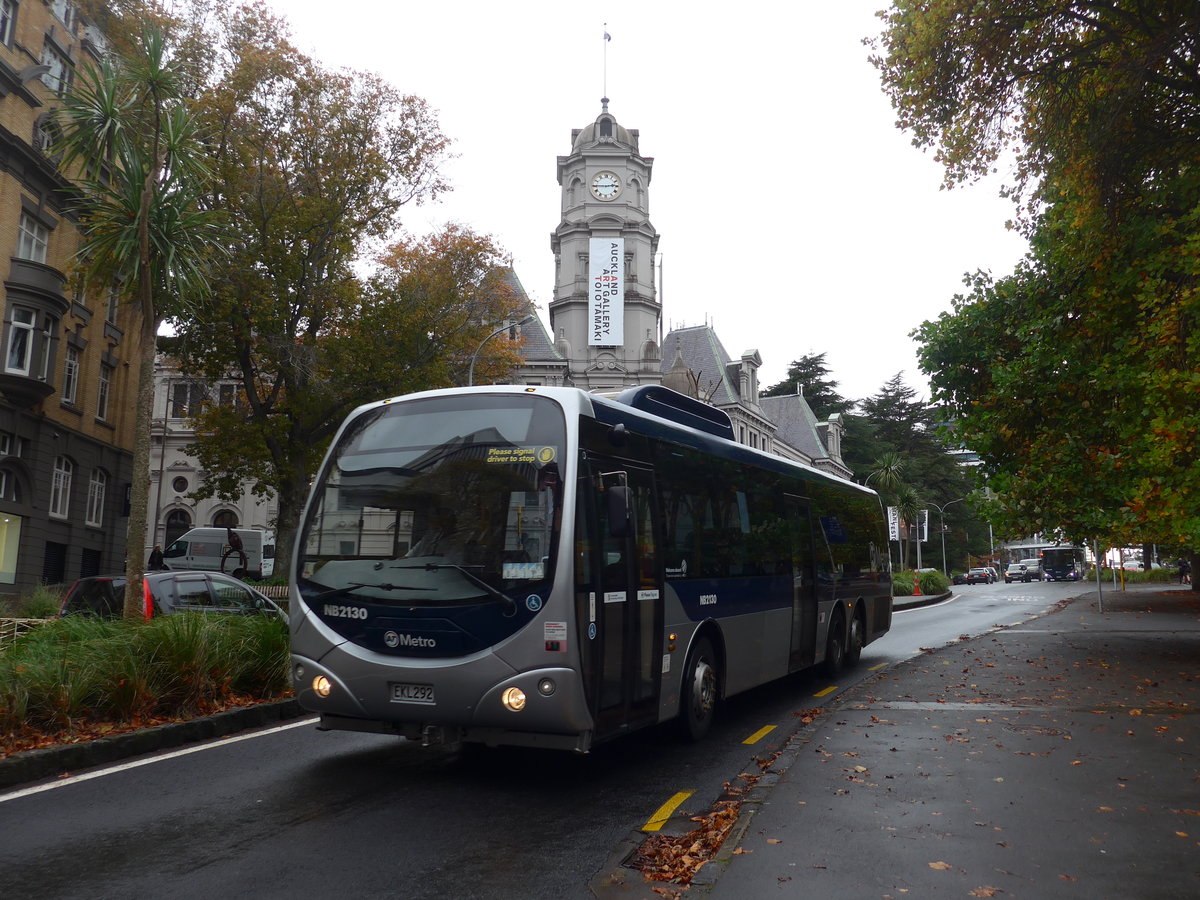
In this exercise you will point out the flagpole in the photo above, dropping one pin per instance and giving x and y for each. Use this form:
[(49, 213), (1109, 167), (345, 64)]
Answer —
[(607, 38)]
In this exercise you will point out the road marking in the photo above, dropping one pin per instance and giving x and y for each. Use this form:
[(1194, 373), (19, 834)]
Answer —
[(760, 734), (877, 667), (825, 693), (121, 767), (659, 819)]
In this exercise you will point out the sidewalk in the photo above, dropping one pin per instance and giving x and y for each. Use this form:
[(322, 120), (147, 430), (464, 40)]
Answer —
[(1059, 758)]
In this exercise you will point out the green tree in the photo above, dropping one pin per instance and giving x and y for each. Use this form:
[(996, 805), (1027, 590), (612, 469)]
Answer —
[(1075, 377), (809, 375), (315, 168), (126, 126)]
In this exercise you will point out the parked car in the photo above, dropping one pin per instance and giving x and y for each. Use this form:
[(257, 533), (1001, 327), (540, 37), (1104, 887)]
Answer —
[(1015, 572), (959, 578), (979, 575), (165, 593)]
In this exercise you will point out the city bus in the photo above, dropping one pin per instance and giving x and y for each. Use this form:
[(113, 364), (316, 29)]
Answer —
[(1064, 563), (544, 567)]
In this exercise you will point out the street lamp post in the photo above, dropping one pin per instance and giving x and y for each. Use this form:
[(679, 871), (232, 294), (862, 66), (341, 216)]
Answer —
[(475, 355), (942, 521)]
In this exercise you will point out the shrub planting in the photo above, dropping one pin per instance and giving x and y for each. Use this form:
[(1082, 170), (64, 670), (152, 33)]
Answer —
[(82, 670)]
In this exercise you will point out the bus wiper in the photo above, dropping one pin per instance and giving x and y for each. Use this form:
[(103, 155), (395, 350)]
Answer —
[(355, 585), (510, 605)]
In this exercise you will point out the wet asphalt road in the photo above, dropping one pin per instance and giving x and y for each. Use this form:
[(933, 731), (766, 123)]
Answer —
[(297, 812)]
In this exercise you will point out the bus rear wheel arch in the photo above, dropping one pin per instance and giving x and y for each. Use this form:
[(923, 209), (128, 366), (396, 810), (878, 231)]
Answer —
[(701, 689), (835, 645), (856, 636)]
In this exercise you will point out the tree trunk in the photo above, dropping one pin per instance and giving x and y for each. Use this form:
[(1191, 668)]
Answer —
[(292, 496), (135, 538)]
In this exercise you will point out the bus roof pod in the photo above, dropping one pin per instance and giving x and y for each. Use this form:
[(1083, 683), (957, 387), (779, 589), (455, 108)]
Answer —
[(676, 407)]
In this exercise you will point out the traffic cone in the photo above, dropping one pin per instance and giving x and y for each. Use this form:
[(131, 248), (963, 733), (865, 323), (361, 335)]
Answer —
[(916, 585)]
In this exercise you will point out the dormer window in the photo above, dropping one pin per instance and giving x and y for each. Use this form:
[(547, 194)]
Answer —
[(606, 130)]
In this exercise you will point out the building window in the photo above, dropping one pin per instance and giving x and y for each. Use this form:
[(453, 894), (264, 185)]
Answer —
[(67, 13), (34, 239), (58, 79), (114, 302), (95, 505), (20, 340), (70, 386), (227, 395), (60, 489), (8, 16), (179, 484), (186, 400), (102, 393)]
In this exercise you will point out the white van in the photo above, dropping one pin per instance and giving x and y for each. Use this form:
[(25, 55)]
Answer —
[(208, 549)]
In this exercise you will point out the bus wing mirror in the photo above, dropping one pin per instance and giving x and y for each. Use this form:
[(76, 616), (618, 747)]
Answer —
[(618, 510)]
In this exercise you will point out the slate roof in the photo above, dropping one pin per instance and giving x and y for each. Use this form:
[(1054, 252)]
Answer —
[(702, 353), (539, 345), (795, 423)]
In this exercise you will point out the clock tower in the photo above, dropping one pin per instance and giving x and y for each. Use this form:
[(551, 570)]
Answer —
[(605, 316)]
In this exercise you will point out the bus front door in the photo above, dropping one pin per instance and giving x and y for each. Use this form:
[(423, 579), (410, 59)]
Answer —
[(626, 628)]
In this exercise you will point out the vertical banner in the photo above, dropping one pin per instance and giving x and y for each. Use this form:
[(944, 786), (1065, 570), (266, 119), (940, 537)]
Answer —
[(606, 299), (893, 515)]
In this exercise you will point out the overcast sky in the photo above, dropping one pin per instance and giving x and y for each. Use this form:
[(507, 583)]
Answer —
[(794, 217)]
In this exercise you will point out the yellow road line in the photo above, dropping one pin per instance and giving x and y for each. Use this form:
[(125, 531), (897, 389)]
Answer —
[(825, 693), (659, 819), (876, 668), (760, 734)]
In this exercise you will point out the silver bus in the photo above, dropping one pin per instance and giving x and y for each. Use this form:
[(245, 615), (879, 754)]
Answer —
[(545, 567)]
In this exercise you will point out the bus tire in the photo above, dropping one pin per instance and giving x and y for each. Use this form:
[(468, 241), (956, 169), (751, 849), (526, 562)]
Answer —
[(701, 686), (835, 648), (854, 641)]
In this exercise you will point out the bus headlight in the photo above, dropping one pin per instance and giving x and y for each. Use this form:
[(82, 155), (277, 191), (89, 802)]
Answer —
[(322, 686), (513, 699)]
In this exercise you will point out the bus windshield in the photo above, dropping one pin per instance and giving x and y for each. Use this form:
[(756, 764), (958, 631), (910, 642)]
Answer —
[(445, 501)]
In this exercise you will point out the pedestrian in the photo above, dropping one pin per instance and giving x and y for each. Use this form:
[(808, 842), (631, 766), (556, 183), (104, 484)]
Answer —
[(156, 559), (233, 544), (1185, 572)]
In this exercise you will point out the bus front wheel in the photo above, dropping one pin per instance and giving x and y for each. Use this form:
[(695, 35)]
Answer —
[(700, 687)]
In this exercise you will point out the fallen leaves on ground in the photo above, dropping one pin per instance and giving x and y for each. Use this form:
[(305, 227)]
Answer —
[(83, 730), (677, 859)]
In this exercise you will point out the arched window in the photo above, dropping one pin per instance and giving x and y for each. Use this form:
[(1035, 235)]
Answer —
[(60, 488), (606, 128), (178, 521), (95, 504), (226, 518)]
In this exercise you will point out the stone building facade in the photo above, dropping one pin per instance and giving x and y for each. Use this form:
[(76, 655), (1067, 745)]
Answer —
[(70, 357)]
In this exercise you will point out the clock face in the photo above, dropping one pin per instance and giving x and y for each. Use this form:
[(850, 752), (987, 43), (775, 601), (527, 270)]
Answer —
[(605, 186)]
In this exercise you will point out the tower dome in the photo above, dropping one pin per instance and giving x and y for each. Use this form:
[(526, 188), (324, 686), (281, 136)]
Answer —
[(605, 130)]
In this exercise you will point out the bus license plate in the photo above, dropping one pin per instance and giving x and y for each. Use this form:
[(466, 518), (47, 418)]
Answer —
[(412, 693)]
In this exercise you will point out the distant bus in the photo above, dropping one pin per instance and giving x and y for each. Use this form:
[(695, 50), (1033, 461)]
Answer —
[(540, 566), (1064, 563)]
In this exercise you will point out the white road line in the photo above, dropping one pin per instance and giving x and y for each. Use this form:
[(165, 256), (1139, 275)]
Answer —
[(121, 767)]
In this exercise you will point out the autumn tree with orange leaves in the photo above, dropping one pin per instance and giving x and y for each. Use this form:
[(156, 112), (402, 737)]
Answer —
[(314, 168)]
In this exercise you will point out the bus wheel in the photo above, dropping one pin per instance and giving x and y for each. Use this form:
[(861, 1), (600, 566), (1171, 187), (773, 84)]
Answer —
[(854, 642), (700, 685), (835, 649)]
